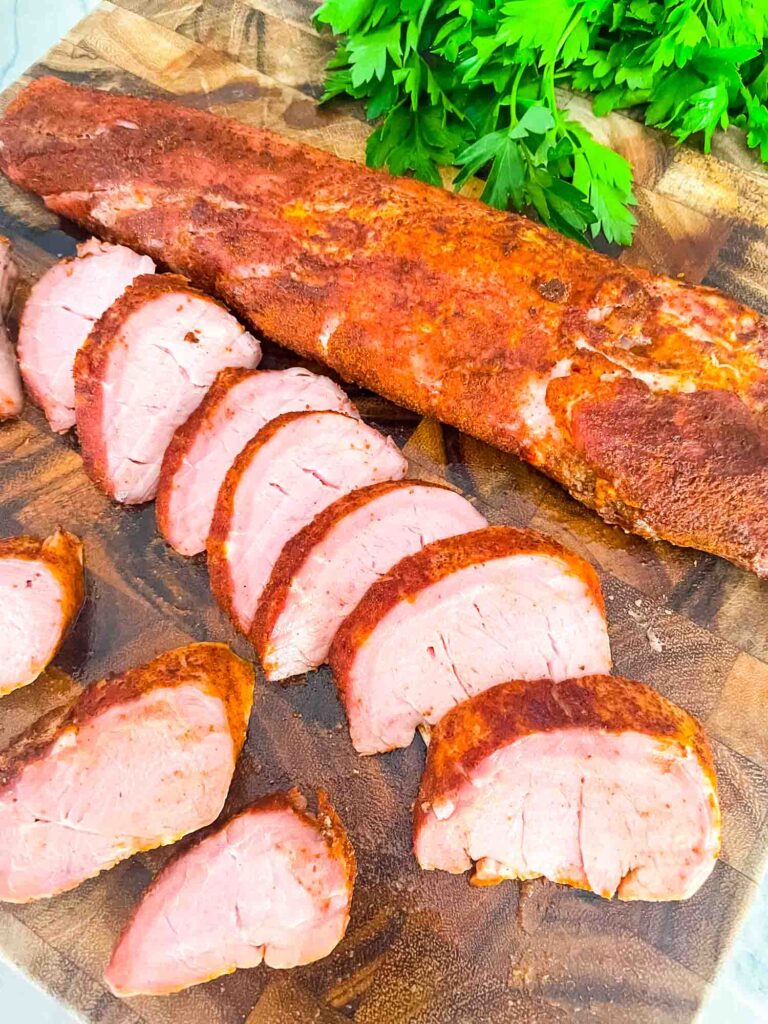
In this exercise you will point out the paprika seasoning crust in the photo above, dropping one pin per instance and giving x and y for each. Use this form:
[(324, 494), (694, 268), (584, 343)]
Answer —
[(135, 762), (238, 404), (325, 570), (144, 368), (480, 318), (596, 782), (457, 617), (41, 594), (273, 883)]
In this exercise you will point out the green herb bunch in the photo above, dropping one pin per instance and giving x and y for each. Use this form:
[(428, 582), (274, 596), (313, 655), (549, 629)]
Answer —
[(473, 83)]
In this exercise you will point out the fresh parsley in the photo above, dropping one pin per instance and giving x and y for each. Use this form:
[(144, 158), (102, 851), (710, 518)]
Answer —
[(473, 83)]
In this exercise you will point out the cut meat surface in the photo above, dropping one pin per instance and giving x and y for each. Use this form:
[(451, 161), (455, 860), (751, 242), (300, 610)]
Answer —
[(11, 396), (272, 884), (237, 406), (458, 617), (41, 593), (597, 783), (135, 762), (144, 369), (295, 467), (58, 316), (326, 569), (645, 397)]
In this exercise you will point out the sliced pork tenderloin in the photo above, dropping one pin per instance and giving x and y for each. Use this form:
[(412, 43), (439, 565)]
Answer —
[(58, 316), (11, 395), (598, 783), (272, 884), (237, 406), (145, 367), (41, 593), (457, 617), (326, 569), (296, 466), (137, 761)]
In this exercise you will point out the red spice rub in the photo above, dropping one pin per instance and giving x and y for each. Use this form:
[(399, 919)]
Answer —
[(480, 318)]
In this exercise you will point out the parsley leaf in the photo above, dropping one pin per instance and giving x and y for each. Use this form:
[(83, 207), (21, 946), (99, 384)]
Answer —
[(473, 83)]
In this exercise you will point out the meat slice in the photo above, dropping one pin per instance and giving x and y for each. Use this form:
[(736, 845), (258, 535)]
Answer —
[(237, 406), (326, 569), (598, 783), (457, 617), (295, 467), (58, 316), (137, 761), (11, 397), (41, 592), (144, 369), (273, 884)]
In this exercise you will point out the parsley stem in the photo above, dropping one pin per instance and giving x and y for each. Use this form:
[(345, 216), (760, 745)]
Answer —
[(548, 79), (513, 96)]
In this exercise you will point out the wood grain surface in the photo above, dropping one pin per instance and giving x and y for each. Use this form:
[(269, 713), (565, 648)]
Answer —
[(422, 948)]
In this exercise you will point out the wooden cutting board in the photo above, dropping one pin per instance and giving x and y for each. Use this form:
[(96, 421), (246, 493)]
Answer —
[(422, 948)]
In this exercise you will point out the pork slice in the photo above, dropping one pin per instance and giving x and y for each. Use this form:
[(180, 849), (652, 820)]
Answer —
[(273, 884), (144, 369), (598, 783), (326, 569), (295, 467), (457, 617), (41, 593), (237, 406), (11, 396), (135, 762), (58, 316)]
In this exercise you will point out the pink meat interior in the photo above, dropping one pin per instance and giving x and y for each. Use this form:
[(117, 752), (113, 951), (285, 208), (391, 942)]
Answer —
[(620, 813), (166, 357), (59, 314), (519, 617), (139, 775), (266, 887), (11, 396), (31, 620), (309, 463), (360, 548), (247, 407)]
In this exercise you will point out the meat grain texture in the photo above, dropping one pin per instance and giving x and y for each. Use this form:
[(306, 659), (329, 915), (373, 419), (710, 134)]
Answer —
[(137, 761), (11, 395), (144, 368), (272, 884), (296, 466), (645, 397), (326, 569), (597, 783), (457, 617), (58, 315), (41, 593), (238, 404)]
